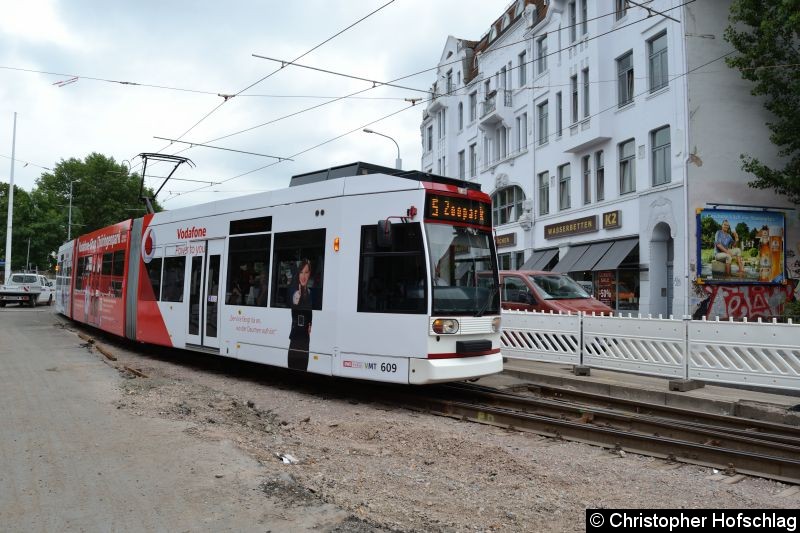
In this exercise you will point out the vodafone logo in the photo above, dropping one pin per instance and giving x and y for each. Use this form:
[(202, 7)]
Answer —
[(148, 245)]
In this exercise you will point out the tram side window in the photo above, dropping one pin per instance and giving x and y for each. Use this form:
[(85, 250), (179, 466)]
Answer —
[(293, 251), (154, 275), (117, 272), (108, 262), (174, 273), (392, 279), (248, 270), (79, 275)]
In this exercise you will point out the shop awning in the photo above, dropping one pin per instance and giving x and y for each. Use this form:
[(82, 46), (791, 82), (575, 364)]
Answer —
[(539, 259), (591, 256), (616, 254), (574, 253)]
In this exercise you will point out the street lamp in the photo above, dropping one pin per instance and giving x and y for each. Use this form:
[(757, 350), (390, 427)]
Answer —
[(398, 163), (69, 221)]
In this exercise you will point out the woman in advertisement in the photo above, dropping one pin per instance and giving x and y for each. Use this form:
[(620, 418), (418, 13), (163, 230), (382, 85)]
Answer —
[(301, 304)]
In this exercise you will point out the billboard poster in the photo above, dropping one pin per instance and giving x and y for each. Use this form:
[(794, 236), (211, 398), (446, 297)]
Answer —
[(736, 246)]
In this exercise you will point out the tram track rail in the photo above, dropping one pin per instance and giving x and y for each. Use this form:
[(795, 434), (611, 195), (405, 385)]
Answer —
[(758, 448), (729, 443)]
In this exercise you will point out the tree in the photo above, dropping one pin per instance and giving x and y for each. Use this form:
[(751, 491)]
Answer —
[(767, 37), (709, 228), (24, 214), (106, 194)]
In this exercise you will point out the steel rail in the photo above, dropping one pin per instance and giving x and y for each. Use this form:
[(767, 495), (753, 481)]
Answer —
[(585, 430), (746, 427)]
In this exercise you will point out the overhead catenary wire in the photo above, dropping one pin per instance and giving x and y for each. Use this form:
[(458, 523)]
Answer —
[(558, 51), (281, 68), (296, 113), (222, 148), (609, 108)]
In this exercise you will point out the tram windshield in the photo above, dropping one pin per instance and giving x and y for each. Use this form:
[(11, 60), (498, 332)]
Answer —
[(457, 254)]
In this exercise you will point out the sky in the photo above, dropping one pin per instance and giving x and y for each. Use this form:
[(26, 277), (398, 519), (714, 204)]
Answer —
[(189, 46)]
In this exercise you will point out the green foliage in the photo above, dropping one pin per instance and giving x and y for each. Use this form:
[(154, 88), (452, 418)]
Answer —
[(708, 231), (766, 35), (742, 231), (792, 310), (106, 194)]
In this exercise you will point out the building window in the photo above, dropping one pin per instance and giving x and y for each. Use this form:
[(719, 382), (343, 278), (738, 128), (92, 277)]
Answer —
[(574, 84), (542, 114), (620, 8), (584, 27), (462, 164), (473, 160), (573, 22), (625, 79), (473, 106), (659, 140), (449, 82), (627, 167), (442, 123), (585, 74), (599, 176), (502, 142), (429, 146), (523, 69), (586, 167), (559, 114), (659, 72), (522, 132), (507, 205), (460, 116), (564, 187), (544, 193), (541, 54)]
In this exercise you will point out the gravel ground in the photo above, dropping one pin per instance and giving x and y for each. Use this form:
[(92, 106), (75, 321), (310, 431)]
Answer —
[(396, 470)]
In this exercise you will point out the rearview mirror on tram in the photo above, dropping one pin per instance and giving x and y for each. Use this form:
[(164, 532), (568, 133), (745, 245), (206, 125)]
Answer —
[(384, 234)]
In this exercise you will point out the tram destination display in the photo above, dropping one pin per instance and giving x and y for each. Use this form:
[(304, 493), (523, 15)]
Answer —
[(457, 209)]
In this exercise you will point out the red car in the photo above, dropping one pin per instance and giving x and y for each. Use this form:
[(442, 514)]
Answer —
[(534, 290)]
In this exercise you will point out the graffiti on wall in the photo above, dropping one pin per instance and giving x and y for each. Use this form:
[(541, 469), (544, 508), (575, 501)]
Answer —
[(750, 301)]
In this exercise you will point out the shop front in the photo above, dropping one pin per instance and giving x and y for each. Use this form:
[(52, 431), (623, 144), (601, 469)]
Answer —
[(608, 269)]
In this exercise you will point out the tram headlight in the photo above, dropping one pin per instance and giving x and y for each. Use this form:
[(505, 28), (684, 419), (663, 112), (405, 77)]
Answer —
[(496, 324), (445, 326)]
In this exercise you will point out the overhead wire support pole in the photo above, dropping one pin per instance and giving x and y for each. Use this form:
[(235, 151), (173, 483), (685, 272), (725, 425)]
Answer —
[(204, 145)]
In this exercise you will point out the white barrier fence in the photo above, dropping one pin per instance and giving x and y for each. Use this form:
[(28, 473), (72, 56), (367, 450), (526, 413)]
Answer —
[(754, 353)]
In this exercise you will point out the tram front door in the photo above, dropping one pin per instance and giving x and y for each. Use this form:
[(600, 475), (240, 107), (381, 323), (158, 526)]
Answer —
[(204, 277)]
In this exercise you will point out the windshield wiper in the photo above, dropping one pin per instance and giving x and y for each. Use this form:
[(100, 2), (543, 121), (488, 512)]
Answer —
[(489, 300)]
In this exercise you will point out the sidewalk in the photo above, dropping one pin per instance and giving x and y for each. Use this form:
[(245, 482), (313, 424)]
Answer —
[(520, 373)]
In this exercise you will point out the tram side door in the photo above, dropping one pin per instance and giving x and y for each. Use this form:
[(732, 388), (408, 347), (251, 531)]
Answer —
[(205, 261)]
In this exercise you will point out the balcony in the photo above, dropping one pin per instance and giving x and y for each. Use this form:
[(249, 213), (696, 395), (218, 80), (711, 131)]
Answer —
[(496, 108)]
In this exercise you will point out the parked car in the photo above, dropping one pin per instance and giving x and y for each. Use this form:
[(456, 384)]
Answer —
[(534, 290), (26, 289)]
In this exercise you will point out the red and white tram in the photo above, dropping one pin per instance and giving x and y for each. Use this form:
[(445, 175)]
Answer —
[(357, 271)]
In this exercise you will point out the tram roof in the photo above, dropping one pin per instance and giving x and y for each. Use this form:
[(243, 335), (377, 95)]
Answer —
[(359, 168)]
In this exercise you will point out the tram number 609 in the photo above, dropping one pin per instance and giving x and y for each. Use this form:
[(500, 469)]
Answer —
[(388, 367)]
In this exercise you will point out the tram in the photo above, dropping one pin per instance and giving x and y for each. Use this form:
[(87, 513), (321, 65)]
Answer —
[(358, 271)]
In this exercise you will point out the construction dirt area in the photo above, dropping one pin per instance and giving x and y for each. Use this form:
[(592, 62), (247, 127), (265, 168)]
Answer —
[(110, 435)]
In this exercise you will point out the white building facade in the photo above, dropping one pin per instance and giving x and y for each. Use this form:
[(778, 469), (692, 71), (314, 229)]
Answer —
[(600, 128)]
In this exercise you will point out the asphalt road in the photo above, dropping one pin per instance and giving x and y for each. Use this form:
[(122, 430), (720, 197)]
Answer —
[(71, 461)]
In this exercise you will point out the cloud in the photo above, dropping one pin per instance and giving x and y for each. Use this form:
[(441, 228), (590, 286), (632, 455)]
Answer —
[(38, 21)]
